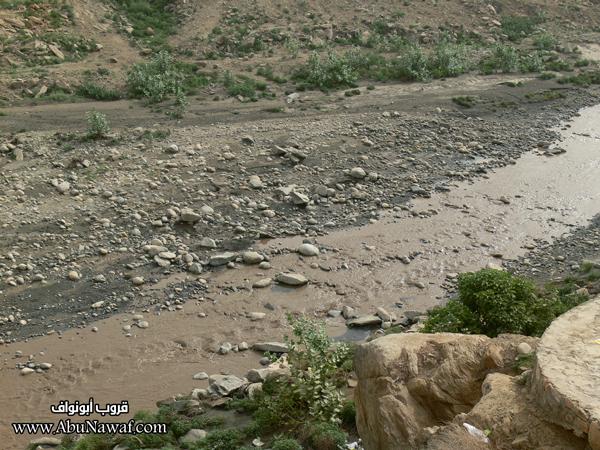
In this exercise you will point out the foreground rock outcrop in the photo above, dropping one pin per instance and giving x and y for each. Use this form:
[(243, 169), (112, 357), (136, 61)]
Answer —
[(566, 376), (419, 391), (408, 382)]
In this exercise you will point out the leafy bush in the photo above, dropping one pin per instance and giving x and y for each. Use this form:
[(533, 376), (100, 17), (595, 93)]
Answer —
[(518, 27), (89, 89), (284, 443), (557, 65), (324, 436), (348, 414), (531, 63), (466, 101), (292, 45), (449, 60), (412, 65), (156, 80), (244, 86), (545, 41), (149, 14), (231, 439), (492, 302), (332, 71), (97, 125), (582, 79), (312, 392), (503, 58), (267, 72)]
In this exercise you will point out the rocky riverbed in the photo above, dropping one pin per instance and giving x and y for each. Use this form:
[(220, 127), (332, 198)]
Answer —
[(125, 258)]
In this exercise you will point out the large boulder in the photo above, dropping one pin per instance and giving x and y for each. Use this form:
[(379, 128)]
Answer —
[(408, 382), (566, 375)]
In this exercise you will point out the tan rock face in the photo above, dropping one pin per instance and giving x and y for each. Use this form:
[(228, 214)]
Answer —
[(514, 420), (407, 382), (565, 380)]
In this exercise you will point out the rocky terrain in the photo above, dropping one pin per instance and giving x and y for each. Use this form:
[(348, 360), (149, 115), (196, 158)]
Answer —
[(342, 162), (99, 223)]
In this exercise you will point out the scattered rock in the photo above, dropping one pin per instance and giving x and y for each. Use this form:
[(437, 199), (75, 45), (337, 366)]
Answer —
[(308, 250), (291, 279)]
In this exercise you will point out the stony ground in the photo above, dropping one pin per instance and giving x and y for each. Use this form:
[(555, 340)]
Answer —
[(161, 219), (89, 226)]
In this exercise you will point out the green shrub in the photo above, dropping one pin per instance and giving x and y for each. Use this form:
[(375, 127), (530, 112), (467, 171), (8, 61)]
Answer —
[(313, 391), (89, 89), (283, 443), (332, 71), (156, 80), (348, 414), (545, 41), (557, 65), (241, 85), (531, 63), (492, 302), (97, 125), (582, 62), (449, 60), (231, 439), (503, 58), (267, 72), (145, 14), (466, 101), (582, 79), (518, 27), (324, 436), (412, 65)]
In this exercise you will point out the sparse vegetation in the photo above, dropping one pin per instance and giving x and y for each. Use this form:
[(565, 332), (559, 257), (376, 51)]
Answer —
[(331, 71), (90, 89), (242, 86), (152, 21), (284, 443), (97, 125), (466, 101), (544, 96), (267, 72), (545, 41), (519, 27), (502, 58), (582, 79)]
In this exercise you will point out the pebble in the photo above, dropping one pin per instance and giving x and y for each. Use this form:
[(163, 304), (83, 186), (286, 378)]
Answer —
[(262, 283), (252, 257), (308, 250), (524, 348), (74, 275), (222, 259), (291, 279), (358, 173), (255, 182)]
